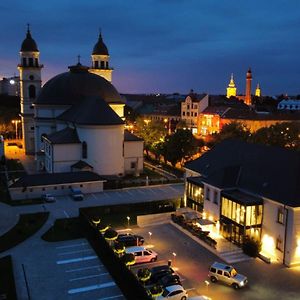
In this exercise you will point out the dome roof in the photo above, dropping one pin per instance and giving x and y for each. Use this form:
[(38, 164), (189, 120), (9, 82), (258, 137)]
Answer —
[(71, 87), (29, 43), (100, 48)]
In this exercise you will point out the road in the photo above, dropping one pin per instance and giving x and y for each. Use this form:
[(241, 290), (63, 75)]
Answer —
[(192, 262)]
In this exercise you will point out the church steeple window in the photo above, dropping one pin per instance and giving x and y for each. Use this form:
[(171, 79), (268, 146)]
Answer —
[(96, 64), (24, 61), (30, 62), (31, 91)]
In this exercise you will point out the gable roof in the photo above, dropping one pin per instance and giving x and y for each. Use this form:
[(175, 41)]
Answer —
[(56, 178), (271, 172), (66, 136), (92, 110), (129, 137)]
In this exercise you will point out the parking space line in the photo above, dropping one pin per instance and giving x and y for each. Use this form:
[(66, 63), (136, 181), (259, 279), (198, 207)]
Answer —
[(91, 287), (82, 269), (70, 246), (68, 261), (88, 276), (112, 297), (77, 251)]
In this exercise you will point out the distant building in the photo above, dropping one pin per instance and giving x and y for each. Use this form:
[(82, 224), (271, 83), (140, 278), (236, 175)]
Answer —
[(231, 89), (191, 107), (258, 91), (250, 190), (1, 146), (289, 104), (248, 99), (10, 86)]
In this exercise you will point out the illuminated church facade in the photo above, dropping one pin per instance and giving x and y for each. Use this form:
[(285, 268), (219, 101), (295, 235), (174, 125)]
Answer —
[(75, 122)]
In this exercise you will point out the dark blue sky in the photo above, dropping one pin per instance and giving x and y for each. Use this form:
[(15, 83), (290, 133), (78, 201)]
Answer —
[(163, 45)]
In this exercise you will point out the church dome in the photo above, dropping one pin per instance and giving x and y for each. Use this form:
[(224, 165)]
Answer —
[(71, 87), (29, 44), (100, 48)]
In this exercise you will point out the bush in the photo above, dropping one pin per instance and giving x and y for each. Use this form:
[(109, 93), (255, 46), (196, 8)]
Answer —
[(251, 247)]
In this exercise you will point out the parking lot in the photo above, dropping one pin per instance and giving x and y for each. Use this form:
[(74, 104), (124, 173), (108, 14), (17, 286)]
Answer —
[(71, 270), (192, 262)]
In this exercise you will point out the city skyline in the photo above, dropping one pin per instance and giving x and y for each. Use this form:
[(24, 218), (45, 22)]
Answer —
[(163, 46)]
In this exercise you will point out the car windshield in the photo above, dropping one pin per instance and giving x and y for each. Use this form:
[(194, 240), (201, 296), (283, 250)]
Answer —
[(233, 273)]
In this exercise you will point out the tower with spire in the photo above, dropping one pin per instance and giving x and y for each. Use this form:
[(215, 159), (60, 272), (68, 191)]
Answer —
[(30, 85), (258, 91), (231, 89), (248, 87), (100, 60)]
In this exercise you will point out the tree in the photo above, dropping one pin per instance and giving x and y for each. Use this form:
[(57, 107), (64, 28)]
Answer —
[(128, 259), (102, 228), (144, 275), (233, 130), (110, 235), (251, 247), (181, 124), (182, 144), (281, 134), (119, 248), (152, 132)]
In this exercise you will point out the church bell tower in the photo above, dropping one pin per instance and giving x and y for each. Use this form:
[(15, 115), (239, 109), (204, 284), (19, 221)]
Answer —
[(248, 87), (100, 60), (30, 86), (231, 89)]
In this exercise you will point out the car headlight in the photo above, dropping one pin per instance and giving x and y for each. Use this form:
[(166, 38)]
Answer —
[(242, 283)]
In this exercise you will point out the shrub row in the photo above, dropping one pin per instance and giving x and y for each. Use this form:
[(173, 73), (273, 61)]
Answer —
[(124, 278)]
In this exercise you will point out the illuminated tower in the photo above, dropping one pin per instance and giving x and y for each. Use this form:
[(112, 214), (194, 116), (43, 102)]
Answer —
[(231, 89), (100, 60), (30, 85), (258, 91), (248, 87)]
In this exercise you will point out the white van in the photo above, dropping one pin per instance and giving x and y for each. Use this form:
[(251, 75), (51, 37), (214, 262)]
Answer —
[(142, 255)]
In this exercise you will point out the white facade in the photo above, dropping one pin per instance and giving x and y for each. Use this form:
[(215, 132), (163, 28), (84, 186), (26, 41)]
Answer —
[(133, 157), (289, 104)]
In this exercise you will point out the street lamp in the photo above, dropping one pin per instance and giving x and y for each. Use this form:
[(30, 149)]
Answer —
[(16, 122), (150, 234), (174, 255), (128, 221), (207, 284)]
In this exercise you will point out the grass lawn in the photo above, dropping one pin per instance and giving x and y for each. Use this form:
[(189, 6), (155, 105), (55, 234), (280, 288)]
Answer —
[(7, 282), (64, 229), (27, 225)]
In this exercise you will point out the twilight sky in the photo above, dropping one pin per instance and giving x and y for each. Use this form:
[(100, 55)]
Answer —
[(163, 45)]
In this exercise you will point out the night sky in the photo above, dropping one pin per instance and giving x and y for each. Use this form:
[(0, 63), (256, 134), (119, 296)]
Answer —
[(163, 46)]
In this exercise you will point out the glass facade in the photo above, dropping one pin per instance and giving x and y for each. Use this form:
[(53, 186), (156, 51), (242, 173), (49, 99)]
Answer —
[(240, 220), (195, 196)]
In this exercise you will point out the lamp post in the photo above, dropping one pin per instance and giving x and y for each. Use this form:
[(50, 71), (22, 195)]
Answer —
[(128, 221), (174, 255), (16, 122), (150, 234), (207, 284)]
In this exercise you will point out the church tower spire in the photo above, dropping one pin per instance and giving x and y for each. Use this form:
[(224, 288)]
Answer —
[(30, 85), (231, 89), (100, 60), (258, 91), (248, 87)]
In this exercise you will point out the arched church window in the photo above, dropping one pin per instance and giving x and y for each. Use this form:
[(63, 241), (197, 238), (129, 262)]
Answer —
[(36, 62), (84, 150), (31, 91), (24, 61), (102, 64), (30, 62), (107, 65), (96, 64)]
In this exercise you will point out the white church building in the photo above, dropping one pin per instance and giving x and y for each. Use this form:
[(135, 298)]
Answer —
[(75, 122)]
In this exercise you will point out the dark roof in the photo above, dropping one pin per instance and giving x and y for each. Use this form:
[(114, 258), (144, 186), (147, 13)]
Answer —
[(212, 110), (29, 43), (129, 137), (242, 197), (81, 165), (68, 88), (56, 178), (65, 136), (271, 172), (100, 48), (196, 180), (91, 110)]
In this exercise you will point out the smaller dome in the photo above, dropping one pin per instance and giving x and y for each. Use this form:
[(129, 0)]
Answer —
[(29, 43), (100, 48)]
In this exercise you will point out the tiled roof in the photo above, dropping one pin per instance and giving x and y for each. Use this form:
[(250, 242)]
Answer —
[(270, 172), (66, 136), (91, 110), (81, 165)]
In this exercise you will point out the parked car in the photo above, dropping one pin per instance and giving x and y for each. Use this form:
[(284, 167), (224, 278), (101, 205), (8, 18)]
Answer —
[(173, 292), (170, 279), (130, 239), (48, 198), (200, 298), (142, 254), (159, 272), (76, 194), (227, 274)]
